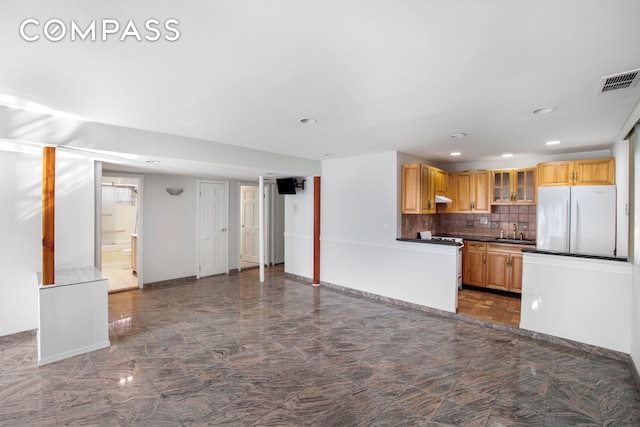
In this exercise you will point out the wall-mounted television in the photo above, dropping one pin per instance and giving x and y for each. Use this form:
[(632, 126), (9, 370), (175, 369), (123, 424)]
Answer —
[(286, 185)]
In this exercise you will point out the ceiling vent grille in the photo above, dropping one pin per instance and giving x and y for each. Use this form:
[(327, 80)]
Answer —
[(619, 81)]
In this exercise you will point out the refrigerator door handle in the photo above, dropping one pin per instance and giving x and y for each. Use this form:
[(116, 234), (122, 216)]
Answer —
[(574, 227)]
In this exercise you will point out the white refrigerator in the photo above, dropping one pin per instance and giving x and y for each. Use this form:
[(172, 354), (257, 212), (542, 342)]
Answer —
[(578, 219)]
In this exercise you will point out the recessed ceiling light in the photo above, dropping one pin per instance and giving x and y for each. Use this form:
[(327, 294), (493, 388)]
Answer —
[(153, 161), (507, 155), (552, 142), (544, 110), (308, 120), (455, 153), (458, 135), (327, 154)]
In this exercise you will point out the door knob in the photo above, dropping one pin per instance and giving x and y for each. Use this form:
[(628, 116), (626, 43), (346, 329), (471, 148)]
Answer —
[(223, 229)]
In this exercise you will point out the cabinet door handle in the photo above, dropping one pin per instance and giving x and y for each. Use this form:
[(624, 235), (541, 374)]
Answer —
[(484, 259)]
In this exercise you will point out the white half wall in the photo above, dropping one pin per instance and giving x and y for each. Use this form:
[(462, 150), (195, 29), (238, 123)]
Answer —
[(359, 227), (21, 227), (581, 299)]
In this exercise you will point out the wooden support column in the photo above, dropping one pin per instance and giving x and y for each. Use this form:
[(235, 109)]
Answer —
[(316, 230), (48, 214)]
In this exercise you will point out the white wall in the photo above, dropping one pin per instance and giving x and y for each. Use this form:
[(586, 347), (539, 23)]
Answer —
[(524, 162), (621, 153), (21, 228), (359, 226), (75, 210), (635, 248), (298, 231), (169, 228), (278, 226)]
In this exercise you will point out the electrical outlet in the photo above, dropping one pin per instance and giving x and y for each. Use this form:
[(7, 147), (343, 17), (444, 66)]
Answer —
[(470, 223), (406, 222), (484, 220)]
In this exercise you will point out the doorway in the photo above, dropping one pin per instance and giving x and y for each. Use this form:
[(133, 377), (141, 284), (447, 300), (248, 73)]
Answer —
[(119, 231), (249, 227), (249, 239)]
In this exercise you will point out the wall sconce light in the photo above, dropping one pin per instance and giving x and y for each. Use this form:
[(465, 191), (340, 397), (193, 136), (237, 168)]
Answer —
[(175, 191)]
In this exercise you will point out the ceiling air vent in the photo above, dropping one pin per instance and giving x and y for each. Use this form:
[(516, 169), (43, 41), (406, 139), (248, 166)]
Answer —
[(619, 81)]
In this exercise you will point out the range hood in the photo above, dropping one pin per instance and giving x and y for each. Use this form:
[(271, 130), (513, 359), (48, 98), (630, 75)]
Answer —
[(442, 199)]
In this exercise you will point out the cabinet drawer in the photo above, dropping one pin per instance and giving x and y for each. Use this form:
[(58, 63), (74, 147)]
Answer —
[(505, 247), (476, 246)]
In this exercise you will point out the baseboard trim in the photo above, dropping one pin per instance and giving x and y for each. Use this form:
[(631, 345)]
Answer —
[(76, 352), (170, 282)]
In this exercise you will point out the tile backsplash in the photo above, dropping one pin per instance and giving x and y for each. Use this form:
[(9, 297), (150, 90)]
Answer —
[(475, 224)]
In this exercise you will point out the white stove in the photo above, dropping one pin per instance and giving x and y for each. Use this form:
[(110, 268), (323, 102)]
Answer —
[(458, 259), (450, 239)]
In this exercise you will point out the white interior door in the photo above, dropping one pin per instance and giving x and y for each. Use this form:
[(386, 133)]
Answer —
[(214, 240), (250, 242)]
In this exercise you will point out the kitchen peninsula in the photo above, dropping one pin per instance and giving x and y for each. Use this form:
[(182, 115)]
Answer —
[(591, 293)]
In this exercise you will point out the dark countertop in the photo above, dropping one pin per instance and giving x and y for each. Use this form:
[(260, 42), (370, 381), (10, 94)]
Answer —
[(484, 239), (430, 241), (567, 254), (508, 241)]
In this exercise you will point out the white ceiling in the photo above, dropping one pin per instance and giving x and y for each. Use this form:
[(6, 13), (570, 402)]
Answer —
[(377, 75)]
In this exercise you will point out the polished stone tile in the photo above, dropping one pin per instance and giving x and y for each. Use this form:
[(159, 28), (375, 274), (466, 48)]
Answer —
[(227, 350)]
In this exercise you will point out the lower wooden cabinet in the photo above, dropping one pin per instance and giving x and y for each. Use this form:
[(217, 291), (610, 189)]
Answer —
[(504, 266), (474, 263), (493, 265)]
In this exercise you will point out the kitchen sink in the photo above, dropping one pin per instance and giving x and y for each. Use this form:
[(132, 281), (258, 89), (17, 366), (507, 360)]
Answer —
[(519, 241)]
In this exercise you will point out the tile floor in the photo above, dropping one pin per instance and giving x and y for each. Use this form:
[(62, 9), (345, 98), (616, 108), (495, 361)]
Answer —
[(120, 277), (226, 350)]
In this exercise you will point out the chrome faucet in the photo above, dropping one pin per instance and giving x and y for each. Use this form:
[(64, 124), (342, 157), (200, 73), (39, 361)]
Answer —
[(515, 231)]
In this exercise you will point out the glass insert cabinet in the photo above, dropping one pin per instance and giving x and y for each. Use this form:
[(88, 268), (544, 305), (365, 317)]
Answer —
[(514, 186)]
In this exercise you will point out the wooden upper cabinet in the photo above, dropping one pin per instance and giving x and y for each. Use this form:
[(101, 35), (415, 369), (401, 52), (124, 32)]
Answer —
[(595, 172), (577, 172), (418, 195), (471, 192), (515, 186), (413, 192), (481, 192), (420, 184), (554, 173), (441, 182)]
